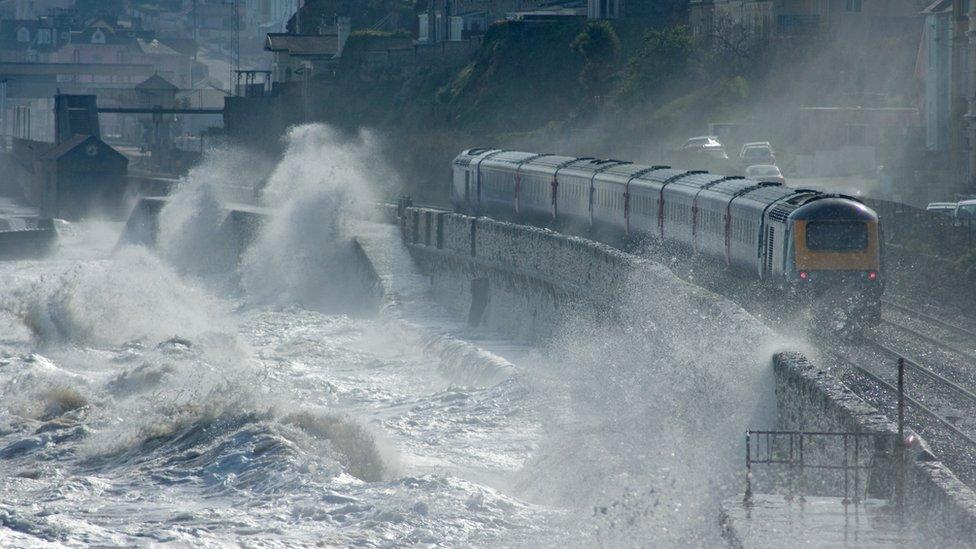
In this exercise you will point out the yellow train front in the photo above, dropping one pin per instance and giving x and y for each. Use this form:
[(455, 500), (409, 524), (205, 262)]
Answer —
[(835, 257)]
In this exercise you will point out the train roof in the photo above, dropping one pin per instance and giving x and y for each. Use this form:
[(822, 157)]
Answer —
[(511, 157), (733, 187), (554, 161), (588, 167), (833, 207)]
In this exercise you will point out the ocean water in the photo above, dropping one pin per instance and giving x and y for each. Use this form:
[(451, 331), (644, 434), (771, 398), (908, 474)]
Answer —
[(139, 407), (171, 396)]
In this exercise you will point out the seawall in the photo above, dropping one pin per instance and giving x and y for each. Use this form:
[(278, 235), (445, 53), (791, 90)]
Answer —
[(523, 280)]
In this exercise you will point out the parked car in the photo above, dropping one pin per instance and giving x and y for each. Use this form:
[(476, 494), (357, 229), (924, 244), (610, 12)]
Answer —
[(706, 144), (757, 153), (965, 210), (947, 209), (766, 172)]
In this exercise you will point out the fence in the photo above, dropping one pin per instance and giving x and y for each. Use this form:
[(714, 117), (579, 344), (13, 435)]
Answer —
[(844, 461)]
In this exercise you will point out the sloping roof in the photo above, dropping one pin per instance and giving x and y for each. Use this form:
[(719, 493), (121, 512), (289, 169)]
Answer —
[(938, 6), (155, 47), (155, 82), (73, 143), (303, 44)]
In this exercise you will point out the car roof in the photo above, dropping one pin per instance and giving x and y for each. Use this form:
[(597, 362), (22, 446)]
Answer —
[(763, 166), (757, 144), (942, 204), (967, 202)]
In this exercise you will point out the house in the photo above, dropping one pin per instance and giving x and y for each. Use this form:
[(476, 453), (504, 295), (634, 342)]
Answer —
[(619, 9), (296, 55), (862, 20), (453, 20), (942, 66), (33, 40), (174, 65), (80, 176), (31, 9)]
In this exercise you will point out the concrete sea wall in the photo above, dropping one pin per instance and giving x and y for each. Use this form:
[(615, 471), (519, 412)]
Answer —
[(520, 280)]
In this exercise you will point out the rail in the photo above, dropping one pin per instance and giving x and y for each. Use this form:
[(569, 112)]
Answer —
[(930, 318), (790, 449), (916, 404)]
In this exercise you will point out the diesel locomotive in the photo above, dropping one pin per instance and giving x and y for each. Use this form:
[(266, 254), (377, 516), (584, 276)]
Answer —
[(815, 247)]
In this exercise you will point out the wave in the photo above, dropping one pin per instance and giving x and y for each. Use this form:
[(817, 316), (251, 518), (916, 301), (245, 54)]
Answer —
[(134, 296)]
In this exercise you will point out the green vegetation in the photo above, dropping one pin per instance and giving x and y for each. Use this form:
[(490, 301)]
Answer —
[(599, 46), (522, 78)]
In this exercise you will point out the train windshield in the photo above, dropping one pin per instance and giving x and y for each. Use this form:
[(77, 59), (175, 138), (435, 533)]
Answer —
[(837, 236)]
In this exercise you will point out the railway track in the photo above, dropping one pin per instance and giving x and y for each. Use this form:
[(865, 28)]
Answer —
[(909, 311), (914, 402)]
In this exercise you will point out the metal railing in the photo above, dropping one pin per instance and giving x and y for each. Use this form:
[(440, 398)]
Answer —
[(851, 454)]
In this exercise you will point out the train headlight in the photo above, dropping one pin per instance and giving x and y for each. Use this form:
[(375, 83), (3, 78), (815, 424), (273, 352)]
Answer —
[(872, 275)]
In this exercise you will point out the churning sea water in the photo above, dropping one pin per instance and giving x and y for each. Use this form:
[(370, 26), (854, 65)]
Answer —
[(174, 395)]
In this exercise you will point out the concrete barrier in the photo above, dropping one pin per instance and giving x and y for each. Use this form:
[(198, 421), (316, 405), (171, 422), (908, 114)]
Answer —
[(36, 238), (533, 275)]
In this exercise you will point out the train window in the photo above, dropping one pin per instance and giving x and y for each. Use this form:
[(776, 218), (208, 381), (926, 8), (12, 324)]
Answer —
[(837, 236)]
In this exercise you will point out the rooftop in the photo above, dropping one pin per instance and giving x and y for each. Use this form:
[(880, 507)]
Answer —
[(303, 44)]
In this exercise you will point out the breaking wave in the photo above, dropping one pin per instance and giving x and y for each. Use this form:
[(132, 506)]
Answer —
[(322, 185), (133, 297)]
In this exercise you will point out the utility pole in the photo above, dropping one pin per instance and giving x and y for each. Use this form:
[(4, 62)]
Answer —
[(971, 115), (237, 35)]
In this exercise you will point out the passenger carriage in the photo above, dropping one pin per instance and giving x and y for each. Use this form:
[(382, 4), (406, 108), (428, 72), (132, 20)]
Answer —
[(810, 242)]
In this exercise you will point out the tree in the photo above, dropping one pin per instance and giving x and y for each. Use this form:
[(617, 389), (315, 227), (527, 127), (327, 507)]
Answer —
[(599, 46), (665, 61)]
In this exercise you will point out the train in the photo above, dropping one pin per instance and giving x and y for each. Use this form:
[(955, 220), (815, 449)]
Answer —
[(809, 246)]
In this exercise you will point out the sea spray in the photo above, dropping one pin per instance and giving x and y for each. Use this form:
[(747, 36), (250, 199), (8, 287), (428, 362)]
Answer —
[(322, 185), (644, 412), (131, 297), (193, 234)]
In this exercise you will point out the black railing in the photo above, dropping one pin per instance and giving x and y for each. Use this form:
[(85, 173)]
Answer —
[(854, 455)]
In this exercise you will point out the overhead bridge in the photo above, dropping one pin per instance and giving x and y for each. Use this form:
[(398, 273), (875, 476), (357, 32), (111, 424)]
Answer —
[(157, 110)]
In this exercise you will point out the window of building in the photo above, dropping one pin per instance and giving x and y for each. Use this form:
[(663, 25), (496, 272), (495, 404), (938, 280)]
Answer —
[(44, 36), (853, 6), (98, 37), (23, 34)]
